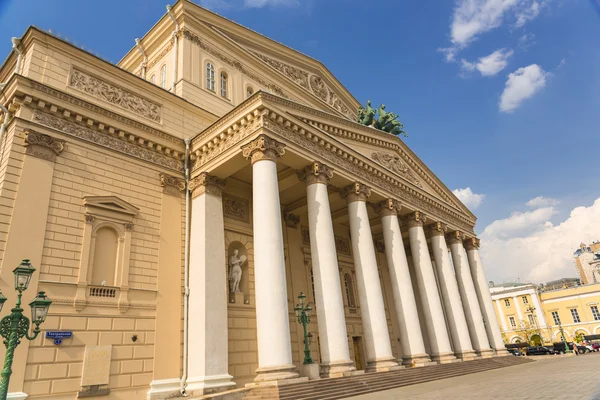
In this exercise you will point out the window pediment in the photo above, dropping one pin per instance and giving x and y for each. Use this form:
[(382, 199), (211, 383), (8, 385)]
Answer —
[(110, 208)]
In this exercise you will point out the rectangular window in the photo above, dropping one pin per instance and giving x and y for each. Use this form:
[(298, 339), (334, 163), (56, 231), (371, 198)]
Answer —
[(556, 317), (595, 313), (507, 302), (512, 321), (575, 315), (525, 300), (530, 318)]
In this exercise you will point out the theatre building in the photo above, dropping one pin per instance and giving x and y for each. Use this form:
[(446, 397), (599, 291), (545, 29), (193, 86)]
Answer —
[(175, 205)]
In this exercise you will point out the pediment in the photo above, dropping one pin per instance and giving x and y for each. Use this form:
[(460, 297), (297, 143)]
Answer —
[(110, 203)]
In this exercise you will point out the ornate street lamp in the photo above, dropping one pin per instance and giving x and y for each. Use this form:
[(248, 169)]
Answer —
[(15, 326), (531, 309), (562, 335), (303, 313)]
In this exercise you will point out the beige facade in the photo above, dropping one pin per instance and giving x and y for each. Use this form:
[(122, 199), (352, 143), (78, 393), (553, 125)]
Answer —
[(94, 191)]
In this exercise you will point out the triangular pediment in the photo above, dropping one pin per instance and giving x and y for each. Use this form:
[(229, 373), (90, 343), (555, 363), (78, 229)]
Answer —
[(110, 203)]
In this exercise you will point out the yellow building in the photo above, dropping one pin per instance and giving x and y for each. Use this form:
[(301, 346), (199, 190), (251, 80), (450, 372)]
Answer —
[(176, 204), (524, 314)]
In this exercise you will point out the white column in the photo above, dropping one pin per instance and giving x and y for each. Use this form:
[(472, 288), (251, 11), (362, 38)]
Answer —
[(272, 316), (501, 315), (439, 341), (333, 337), (377, 338), (538, 311), (469, 296), (207, 336), (411, 338), (517, 307), (485, 298), (459, 331)]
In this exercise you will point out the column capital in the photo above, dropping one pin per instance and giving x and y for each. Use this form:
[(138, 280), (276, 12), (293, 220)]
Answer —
[(263, 148), (416, 218), (437, 229), (471, 243), (355, 192), (387, 207), (43, 146), (315, 173), (172, 185), (205, 183), (455, 237)]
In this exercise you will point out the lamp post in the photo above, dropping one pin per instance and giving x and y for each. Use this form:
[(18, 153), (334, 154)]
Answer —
[(562, 335), (531, 309), (303, 313), (15, 326)]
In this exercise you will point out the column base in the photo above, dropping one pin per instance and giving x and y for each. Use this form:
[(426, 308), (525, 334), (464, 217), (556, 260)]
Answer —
[(201, 385), (17, 396), (416, 360), (502, 352), (383, 365), (444, 358), (468, 355), (337, 369), (486, 353), (164, 389), (277, 375), (310, 371)]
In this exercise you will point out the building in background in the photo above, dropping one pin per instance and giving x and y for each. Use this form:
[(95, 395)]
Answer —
[(587, 261), (527, 314)]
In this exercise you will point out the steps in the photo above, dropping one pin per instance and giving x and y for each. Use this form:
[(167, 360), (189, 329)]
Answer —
[(339, 388)]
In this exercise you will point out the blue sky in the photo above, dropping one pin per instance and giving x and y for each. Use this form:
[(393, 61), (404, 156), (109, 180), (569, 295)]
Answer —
[(498, 96)]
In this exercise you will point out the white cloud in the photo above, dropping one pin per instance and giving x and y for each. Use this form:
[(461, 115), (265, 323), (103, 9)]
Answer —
[(472, 18), (489, 65), (526, 41), (535, 250), (542, 201), (521, 85), (468, 198), (214, 4)]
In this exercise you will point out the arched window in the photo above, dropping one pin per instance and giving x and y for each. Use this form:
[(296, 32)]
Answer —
[(349, 290), (224, 81), (163, 77), (249, 91), (153, 79), (105, 257), (210, 76)]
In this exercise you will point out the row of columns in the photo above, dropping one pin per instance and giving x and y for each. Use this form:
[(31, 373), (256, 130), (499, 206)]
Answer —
[(462, 293)]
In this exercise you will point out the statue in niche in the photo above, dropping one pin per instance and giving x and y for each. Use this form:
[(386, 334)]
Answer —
[(235, 271)]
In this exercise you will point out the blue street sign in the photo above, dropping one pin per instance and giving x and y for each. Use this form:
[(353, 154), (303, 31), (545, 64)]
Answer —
[(59, 334), (57, 341)]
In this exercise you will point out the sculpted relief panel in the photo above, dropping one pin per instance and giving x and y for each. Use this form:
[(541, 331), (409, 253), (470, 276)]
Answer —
[(310, 82), (115, 95), (394, 163)]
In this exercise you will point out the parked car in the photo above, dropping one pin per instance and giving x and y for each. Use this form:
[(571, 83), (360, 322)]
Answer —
[(515, 352), (596, 346), (538, 350), (559, 348)]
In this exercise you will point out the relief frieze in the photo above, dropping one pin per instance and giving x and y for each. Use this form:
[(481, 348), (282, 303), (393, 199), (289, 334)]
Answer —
[(236, 208), (104, 140), (115, 95), (395, 164)]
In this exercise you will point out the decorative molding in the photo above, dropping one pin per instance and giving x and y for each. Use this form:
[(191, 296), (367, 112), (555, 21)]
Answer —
[(472, 244), (172, 185), (125, 99), (310, 82), (160, 55), (415, 219), (99, 110), (394, 163), (291, 220), (42, 146), (380, 245), (342, 245), (355, 192), (305, 235), (388, 207), (232, 62), (263, 148), (89, 219), (315, 173), (236, 208), (114, 143), (205, 183), (128, 226)]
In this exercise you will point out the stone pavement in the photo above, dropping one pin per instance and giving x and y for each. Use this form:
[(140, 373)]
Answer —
[(551, 377)]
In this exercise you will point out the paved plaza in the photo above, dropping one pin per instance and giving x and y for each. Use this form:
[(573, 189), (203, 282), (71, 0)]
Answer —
[(551, 377)]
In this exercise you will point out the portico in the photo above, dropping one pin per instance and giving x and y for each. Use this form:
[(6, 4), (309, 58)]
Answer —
[(320, 208)]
